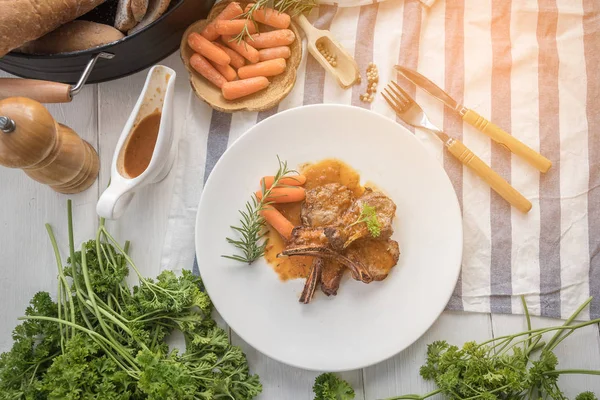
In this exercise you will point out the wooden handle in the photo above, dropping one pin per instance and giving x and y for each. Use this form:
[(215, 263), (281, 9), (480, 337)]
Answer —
[(312, 33), (42, 91), (496, 182), (513, 144)]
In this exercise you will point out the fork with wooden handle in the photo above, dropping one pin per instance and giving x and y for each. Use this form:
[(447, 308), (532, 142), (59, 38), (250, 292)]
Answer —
[(411, 113)]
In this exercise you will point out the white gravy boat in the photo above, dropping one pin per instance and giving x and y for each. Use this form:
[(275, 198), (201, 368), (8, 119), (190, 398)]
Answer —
[(157, 95)]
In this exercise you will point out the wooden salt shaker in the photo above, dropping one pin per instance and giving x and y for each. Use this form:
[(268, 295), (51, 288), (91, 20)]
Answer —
[(49, 152)]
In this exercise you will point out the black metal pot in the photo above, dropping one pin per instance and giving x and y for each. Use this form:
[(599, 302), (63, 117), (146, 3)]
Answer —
[(131, 54)]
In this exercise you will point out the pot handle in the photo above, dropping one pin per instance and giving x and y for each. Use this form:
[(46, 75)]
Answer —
[(42, 91), (48, 91)]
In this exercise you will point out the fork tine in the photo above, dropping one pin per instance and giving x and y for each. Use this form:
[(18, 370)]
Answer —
[(401, 96), (402, 93), (392, 101), (400, 100), (389, 101)]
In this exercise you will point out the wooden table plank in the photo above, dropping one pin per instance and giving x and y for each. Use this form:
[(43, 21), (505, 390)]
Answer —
[(283, 382)]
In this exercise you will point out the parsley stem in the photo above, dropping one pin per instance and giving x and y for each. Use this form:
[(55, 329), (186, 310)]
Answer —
[(572, 371), (61, 275), (528, 318), (415, 396), (541, 331), (556, 337)]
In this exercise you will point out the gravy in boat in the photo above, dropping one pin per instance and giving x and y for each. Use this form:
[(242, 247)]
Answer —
[(140, 145)]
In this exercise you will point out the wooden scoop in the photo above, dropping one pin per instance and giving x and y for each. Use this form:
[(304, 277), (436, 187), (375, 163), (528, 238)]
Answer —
[(346, 72)]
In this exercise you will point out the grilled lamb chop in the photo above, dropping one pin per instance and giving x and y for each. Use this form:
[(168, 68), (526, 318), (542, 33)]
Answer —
[(314, 277), (331, 277), (308, 236), (378, 256), (346, 233), (325, 205), (359, 272)]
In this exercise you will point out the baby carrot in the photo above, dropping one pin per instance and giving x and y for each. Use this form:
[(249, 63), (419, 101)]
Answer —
[(270, 17), (263, 40), (294, 180), (246, 50), (274, 52), (226, 70), (284, 194), (265, 68), (236, 89), (233, 10), (234, 27), (237, 61), (207, 49), (280, 223), (204, 68)]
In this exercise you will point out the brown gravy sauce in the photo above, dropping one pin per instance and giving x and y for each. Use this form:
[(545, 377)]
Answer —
[(140, 145), (323, 172)]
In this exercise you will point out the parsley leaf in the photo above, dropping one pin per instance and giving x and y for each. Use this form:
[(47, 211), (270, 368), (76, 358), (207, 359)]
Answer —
[(368, 215), (329, 387)]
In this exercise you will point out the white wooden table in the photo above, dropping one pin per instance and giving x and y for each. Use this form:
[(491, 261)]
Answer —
[(98, 114)]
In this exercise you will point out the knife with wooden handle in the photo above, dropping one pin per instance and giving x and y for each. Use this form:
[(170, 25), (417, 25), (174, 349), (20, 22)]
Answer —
[(496, 133), (496, 182)]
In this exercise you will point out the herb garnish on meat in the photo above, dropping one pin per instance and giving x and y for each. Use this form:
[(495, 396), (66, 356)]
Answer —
[(368, 215)]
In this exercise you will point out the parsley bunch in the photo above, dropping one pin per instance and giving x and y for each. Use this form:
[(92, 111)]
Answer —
[(518, 366), (513, 367), (103, 339)]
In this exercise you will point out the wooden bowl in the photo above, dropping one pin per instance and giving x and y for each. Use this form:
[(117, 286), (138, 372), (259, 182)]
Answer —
[(266, 99)]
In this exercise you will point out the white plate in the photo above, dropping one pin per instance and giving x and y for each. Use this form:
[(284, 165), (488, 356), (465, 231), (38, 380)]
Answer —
[(363, 324)]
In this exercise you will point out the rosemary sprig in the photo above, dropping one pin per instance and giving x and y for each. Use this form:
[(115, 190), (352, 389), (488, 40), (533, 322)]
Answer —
[(292, 7), (252, 241)]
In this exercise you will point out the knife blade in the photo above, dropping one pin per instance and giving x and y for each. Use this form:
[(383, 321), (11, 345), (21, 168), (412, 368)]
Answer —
[(496, 133), (429, 87)]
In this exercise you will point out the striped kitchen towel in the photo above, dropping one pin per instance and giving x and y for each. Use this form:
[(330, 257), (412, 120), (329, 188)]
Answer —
[(531, 66), (355, 3)]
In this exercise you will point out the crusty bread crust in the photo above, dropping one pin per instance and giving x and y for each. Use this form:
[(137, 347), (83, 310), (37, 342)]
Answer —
[(73, 36), (138, 9), (26, 20), (156, 8), (124, 20)]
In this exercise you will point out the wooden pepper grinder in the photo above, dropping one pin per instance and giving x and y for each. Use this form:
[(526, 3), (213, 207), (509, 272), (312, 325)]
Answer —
[(49, 152)]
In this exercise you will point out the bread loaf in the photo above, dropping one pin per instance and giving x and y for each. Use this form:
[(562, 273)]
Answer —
[(73, 36), (138, 9), (124, 19), (156, 8), (25, 20)]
